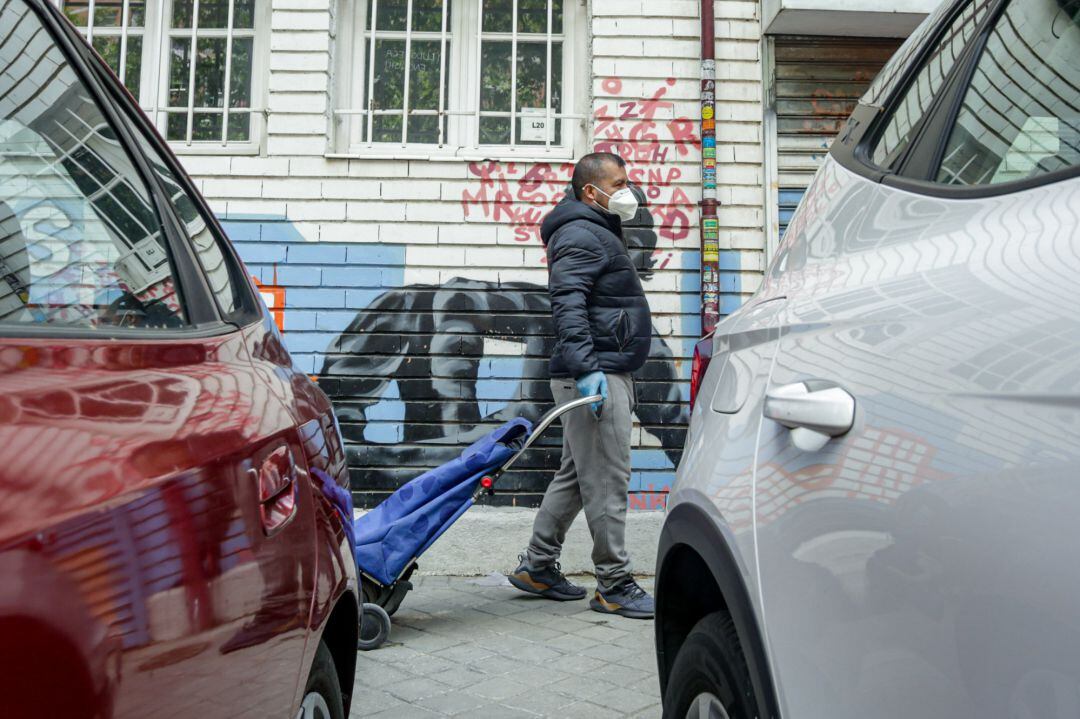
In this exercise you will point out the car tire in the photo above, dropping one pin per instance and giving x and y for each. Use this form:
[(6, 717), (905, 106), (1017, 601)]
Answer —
[(710, 677), (322, 696)]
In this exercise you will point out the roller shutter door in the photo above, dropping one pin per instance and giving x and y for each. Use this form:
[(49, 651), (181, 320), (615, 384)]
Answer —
[(817, 82)]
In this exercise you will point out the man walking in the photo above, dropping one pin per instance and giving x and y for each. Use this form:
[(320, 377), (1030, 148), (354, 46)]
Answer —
[(603, 331)]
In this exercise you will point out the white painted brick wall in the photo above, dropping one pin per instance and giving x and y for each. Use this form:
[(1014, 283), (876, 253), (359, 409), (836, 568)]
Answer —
[(377, 212), (295, 145), (347, 189), (300, 102), (288, 189), (643, 61), (309, 18)]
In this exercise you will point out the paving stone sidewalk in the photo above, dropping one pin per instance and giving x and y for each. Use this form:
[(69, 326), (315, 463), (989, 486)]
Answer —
[(478, 647)]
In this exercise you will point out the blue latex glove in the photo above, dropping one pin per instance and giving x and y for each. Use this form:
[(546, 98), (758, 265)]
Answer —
[(594, 383)]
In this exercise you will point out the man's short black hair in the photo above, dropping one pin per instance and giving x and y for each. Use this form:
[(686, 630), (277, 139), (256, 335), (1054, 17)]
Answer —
[(590, 170)]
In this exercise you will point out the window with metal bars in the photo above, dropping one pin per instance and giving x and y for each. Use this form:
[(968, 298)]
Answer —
[(189, 63), (460, 77)]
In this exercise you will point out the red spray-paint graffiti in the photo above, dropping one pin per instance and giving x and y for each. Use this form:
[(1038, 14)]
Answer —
[(516, 193), (632, 130), (520, 194), (652, 497)]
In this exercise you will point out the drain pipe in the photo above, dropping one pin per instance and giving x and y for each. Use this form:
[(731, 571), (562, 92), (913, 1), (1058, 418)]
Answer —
[(710, 225)]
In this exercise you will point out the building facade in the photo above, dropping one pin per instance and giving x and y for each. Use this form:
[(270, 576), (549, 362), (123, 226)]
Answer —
[(383, 166)]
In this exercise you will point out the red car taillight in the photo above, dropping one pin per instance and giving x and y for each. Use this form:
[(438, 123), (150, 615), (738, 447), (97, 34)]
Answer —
[(702, 356)]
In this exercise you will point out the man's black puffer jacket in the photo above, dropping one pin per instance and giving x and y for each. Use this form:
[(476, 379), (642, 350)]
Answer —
[(601, 316)]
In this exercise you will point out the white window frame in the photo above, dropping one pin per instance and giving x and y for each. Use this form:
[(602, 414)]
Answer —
[(462, 101), (154, 72)]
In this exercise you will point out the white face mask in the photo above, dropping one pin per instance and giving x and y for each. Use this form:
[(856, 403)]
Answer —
[(622, 203)]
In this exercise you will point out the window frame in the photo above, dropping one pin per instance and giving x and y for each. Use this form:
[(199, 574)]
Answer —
[(463, 65), (154, 74), (855, 144), (202, 317)]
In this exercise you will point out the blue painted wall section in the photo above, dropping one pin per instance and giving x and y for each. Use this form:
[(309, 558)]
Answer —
[(325, 282), (407, 368)]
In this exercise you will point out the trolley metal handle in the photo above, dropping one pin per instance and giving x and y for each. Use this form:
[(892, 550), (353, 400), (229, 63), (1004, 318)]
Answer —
[(546, 422)]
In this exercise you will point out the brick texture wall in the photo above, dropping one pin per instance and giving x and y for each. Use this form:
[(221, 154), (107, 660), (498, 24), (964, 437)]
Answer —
[(416, 290)]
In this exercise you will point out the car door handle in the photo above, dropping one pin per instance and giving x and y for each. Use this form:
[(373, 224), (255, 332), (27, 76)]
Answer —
[(814, 410), (276, 481)]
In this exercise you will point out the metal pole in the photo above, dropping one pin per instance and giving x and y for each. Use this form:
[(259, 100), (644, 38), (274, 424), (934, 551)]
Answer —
[(228, 75), (442, 78), (479, 70), (513, 73), (371, 71), (548, 79), (123, 43), (408, 68), (191, 74), (161, 72), (710, 225)]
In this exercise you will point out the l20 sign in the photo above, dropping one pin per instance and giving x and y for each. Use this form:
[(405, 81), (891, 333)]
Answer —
[(535, 125)]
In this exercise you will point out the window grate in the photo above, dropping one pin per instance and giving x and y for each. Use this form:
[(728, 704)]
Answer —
[(114, 28), (454, 75), (210, 53), (189, 63)]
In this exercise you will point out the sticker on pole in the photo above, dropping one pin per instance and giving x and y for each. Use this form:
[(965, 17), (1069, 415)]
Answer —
[(534, 125)]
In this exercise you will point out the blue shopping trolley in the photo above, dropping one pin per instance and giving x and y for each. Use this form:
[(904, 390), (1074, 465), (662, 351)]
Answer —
[(391, 537)]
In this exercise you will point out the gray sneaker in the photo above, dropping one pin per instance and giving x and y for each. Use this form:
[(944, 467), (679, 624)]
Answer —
[(548, 582), (626, 599)]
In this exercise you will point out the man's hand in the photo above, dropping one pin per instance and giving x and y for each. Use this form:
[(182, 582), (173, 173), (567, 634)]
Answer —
[(594, 383)]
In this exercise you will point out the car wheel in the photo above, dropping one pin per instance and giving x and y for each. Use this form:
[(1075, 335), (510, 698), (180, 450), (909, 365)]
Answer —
[(322, 697), (710, 679)]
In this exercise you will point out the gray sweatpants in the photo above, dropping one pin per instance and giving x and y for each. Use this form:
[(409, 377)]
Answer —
[(594, 474)]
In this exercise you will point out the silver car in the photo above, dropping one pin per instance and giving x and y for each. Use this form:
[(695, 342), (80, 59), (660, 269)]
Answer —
[(878, 509)]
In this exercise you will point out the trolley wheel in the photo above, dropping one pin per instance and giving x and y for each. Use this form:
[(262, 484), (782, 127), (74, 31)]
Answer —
[(374, 627)]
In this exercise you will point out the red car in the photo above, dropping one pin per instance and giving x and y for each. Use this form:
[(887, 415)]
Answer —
[(167, 545)]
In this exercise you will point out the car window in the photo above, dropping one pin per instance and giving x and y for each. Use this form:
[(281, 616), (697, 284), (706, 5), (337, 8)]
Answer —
[(893, 71), (225, 280), (1020, 116), (80, 242), (916, 101)]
